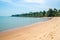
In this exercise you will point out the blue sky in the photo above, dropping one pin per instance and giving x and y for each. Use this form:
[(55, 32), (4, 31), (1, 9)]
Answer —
[(9, 7)]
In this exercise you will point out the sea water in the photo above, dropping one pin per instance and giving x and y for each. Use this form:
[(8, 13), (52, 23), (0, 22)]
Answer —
[(7, 23)]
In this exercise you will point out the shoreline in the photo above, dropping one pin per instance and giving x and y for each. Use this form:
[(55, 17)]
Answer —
[(49, 18), (48, 30)]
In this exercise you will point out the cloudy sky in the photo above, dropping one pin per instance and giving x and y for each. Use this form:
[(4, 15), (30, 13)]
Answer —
[(9, 7)]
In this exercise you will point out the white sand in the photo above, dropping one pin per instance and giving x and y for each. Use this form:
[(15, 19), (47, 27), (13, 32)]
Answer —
[(48, 30)]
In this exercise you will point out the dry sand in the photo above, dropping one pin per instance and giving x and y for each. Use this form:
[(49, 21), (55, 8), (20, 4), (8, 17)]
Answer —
[(48, 30)]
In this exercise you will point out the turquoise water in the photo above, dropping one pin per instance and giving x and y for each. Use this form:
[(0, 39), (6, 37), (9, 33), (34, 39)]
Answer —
[(7, 23)]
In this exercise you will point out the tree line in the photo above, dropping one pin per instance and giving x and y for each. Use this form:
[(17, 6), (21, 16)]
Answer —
[(50, 13)]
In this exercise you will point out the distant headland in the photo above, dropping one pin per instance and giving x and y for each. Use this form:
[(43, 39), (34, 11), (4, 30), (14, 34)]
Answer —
[(50, 13)]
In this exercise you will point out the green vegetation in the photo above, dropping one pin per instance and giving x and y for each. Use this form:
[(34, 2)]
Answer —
[(50, 13)]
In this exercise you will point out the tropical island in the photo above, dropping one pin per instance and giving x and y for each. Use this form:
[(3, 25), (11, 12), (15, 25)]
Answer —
[(50, 13)]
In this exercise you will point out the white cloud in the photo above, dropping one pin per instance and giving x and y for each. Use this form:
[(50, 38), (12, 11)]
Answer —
[(8, 1), (24, 1), (30, 6), (35, 1), (41, 2), (28, 3)]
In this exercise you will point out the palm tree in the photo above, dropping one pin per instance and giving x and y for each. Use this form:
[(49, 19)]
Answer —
[(59, 10), (44, 13), (55, 11), (50, 13)]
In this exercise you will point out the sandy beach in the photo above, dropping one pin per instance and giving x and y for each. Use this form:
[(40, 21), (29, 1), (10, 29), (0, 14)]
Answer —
[(48, 30)]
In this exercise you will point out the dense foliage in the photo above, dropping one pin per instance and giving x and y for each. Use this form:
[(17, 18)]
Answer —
[(50, 13)]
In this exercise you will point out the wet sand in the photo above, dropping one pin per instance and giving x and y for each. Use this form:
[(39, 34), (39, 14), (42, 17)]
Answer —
[(48, 30)]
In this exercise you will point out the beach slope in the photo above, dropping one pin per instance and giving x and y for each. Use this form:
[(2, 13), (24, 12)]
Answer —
[(48, 30)]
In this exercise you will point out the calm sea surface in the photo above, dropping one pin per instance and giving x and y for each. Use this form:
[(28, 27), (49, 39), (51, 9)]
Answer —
[(7, 23)]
